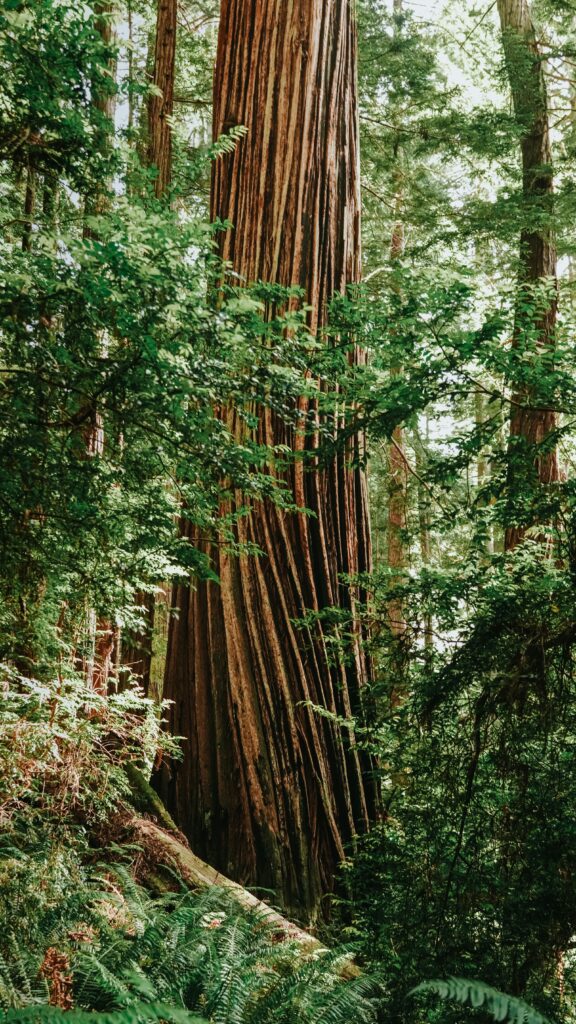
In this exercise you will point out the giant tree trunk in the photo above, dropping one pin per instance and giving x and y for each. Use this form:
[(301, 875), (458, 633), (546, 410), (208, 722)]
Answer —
[(161, 101), (269, 791), (530, 426)]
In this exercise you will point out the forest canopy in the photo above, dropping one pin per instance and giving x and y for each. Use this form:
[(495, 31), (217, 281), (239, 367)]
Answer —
[(287, 511)]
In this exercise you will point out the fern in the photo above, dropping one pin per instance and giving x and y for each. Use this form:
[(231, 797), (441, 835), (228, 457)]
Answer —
[(20, 983), (130, 954), (137, 1013), (204, 955), (502, 1007), (227, 142)]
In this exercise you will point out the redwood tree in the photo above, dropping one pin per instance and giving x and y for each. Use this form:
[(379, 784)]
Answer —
[(101, 632), (161, 101), (137, 647), (398, 482), (529, 425), (269, 791), (397, 554)]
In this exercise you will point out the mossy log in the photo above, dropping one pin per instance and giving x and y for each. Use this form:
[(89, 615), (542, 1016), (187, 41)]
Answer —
[(164, 846), (169, 850), (146, 800)]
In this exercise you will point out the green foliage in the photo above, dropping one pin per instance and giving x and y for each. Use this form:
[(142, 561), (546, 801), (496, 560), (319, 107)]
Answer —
[(121, 356), (129, 356), (477, 995), (63, 747), (51, 54), (146, 959), (137, 1013), (471, 715), (127, 957), (230, 966), (117, 348)]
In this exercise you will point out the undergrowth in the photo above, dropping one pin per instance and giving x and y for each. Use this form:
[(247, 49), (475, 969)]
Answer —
[(80, 940)]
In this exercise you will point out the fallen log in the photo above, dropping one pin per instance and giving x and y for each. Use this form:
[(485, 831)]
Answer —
[(164, 848)]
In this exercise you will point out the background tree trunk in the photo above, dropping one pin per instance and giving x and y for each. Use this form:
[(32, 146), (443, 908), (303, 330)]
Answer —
[(269, 791), (397, 554), (29, 206), (103, 100), (137, 648), (424, 531), (537, 248), (161, 104), (100, 630)]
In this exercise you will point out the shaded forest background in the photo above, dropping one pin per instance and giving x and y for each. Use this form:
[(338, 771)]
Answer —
[(287, 508)]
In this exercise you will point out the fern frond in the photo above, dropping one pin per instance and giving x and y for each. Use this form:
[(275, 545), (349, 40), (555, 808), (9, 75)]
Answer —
[(20, 983), (226, 143), (97, 986), (137, 1013), (476, 994)]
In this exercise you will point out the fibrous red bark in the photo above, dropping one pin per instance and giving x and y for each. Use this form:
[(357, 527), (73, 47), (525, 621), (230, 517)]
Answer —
[(269, 791)]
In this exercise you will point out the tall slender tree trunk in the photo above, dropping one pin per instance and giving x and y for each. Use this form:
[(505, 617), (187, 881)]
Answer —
[(397, 494), (100, 630), (103, 100), (269, 791), (425, 539), (529, 426), (29, 206), (533, 461), (481, 413), (137, 649), (130, 23), (161, 101), (397, 555)]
